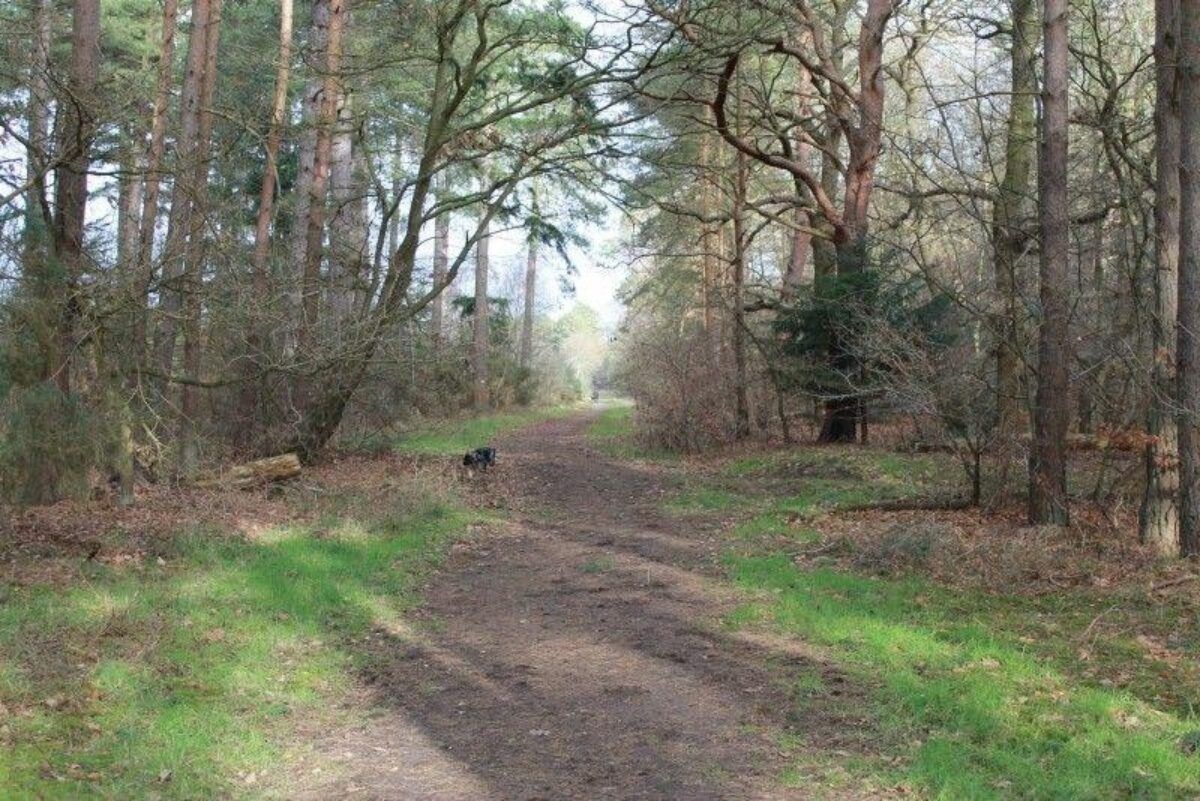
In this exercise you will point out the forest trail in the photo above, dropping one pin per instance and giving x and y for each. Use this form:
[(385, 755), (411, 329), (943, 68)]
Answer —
[(577, 653)]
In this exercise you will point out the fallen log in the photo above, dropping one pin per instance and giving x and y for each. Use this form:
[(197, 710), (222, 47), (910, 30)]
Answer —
[(256, 473), (916, 504)]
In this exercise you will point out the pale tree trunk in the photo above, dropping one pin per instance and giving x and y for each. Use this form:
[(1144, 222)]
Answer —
[(143, 268), (1188, 356), (1159, 518), (824, 253), (708, 250), (394, 224), (797, 273), (76, 130), (196, 251), (38, 118), (441, 261), (479, 350), (1048, 458), (315, 224), (1010, 211), (310, 116), (266, 195), (740, 182), (348, 225), (531, 265), (129, 204)]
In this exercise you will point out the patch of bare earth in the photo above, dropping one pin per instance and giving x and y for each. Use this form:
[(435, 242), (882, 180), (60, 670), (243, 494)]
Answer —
[(576, 652)]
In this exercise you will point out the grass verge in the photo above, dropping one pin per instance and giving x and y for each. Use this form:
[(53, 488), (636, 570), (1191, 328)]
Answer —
[(979, 687), (179, 676), (1077, 694), (612, 433)]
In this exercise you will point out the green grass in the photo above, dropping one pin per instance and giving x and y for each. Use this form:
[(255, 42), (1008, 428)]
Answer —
[(701, 498), (612, 433), (981, 695), (458, 436), (179, 679), (978, 689), (778, 494), (601, 564)]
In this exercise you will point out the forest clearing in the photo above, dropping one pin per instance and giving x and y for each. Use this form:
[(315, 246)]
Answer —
[(614, 399)]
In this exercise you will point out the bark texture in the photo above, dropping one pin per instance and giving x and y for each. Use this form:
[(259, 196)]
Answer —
[(1159, 518), (1051, 413)]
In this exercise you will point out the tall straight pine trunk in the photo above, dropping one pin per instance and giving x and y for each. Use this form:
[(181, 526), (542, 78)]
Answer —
[(530, 301), (1048, 459), (1188, 356), (1159, 518), (144, 259), (76, 131), (1009, 211), (479, 349)]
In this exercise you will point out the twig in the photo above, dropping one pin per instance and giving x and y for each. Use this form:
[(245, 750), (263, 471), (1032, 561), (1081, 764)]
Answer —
[(1174, 582)]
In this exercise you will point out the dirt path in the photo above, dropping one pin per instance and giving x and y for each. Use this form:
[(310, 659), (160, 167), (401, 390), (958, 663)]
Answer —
[(576, 655)]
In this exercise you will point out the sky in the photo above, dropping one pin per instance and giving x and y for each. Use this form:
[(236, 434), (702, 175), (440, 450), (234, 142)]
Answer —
[(598, 277)]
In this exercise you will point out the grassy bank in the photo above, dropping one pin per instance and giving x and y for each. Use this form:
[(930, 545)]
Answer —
[(1083, 692), (179, 676)]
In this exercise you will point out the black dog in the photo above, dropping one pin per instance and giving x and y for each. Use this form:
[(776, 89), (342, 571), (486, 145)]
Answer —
[(481, 458)]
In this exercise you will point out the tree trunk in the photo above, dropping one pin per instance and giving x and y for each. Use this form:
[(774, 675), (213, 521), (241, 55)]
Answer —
[(842, 414), (256, 473), (183, 193), (195, 253), (1048, 459), (256, 341), (1159, 518), (479, 350), (129, 205), (1008, 213), (1188, 356), (76, 128), (38, 138), (740, 376), (143, 268), (315, 224), (348, 226), (531, 265), (441, 260), (310, 117), (708, 251), (796, 274)]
